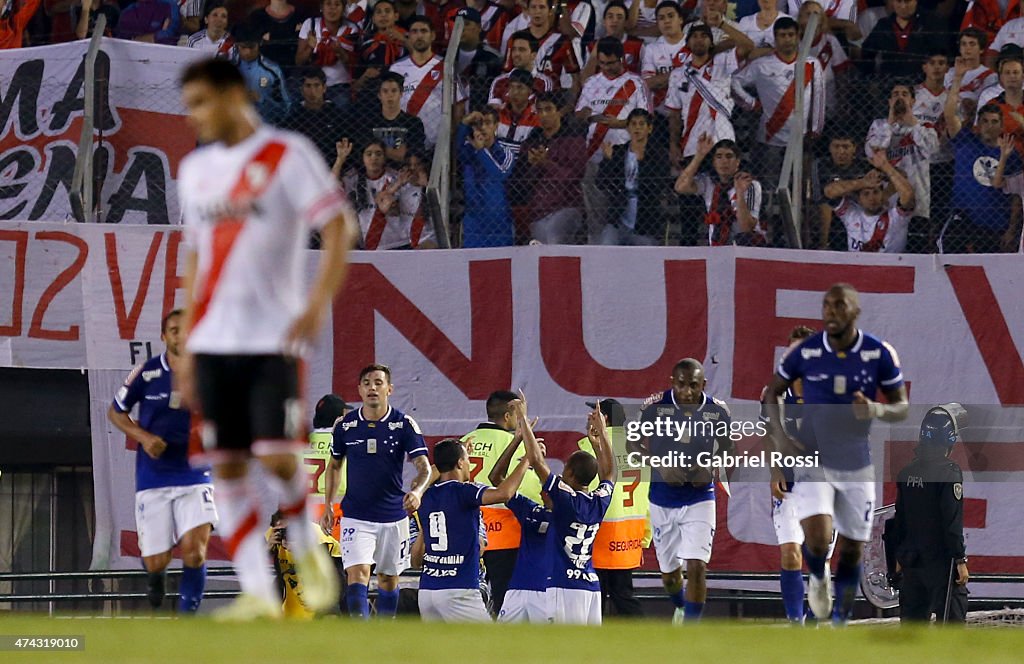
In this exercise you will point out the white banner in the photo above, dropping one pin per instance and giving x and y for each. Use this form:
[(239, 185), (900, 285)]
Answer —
[(140, 131)]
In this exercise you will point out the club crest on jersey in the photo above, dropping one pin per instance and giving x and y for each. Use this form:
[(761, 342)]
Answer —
[(958, 490), (435, 74), (256, 174)]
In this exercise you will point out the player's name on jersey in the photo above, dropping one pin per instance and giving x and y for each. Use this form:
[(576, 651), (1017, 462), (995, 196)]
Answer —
[(683, 430), (762, 459), (444, 560)]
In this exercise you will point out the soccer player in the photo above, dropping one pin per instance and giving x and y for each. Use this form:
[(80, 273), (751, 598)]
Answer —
[(683, 497), (173, 500), (842, 370), (375, 439), (576, 514), (449, 545), (250, 198)]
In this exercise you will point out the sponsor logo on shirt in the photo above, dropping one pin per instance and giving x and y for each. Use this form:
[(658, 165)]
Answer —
[(150, 375), (808, 353)]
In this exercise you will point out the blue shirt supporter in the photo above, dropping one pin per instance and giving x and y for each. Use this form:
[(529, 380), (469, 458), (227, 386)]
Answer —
[(487, 221), (533, 563), (830, 379), (160, 413), (376, 451), (575, 518), (450, 515), (975, 165)]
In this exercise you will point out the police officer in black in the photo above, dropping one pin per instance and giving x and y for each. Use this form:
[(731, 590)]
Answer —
[(928, 529)]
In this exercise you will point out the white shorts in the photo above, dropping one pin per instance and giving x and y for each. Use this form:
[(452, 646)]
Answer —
[(456, 605), (368, 543), (787, 526), (525, 606), (683, 533), (570, 606), (848, 496), (163, 515)]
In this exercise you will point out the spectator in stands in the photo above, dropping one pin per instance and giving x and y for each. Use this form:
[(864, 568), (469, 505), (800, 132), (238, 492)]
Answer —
[(1009, 77), (406, 12), (523, 55), (829, 52), (732, 198), (214, 39), (990, 15), (316, 116), (929, 102), (978, 77), (725, 33), (1012, 239), (152, 21), (487, 220), (382, 46), (840, 164), (478, 64), (192, 13), (518, 118), (635, 176), (278, 26), (909, 145), (842, 17), (84, 17), (605, 103), (702, 89), (494, 18), (615, 22), (387, 202), (399, 132), (773, 81), (555, 55), (979, 221), (1012, 33), (899, 43), (263, 77), (875, 220), (329, 41), (758, 27), (666, 53), (548, 178)]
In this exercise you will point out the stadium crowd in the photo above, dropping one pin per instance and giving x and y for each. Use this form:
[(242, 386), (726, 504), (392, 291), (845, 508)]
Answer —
[(642, 123)]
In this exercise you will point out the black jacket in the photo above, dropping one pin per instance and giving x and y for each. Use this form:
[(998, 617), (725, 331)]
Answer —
[(894, 62), (654, 181), (929, 521)]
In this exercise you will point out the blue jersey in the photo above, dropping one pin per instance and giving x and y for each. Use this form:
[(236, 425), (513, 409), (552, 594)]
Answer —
[(973, 192), (699, 423), (533, 564), (149, 386), (450, 517), (829, 380), (376, 451), (575, 518)]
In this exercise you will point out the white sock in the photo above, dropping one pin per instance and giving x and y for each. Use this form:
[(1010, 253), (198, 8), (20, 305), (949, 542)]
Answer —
[(294, 495), (241, 530)]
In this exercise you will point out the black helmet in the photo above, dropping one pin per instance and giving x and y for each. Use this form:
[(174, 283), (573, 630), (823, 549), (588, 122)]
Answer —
[(941, 425)]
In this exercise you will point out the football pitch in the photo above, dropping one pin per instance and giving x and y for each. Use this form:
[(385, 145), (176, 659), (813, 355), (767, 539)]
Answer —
[(128, 640)]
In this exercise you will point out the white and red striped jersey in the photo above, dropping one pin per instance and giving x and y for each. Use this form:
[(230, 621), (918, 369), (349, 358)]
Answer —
[(221, 48), (347, 35), (833, 61), (928, 108), (514, 129), (421, 93), (989, 95), (557, 58), (520, 22), (403, 226), (773, 80), (498, 96), (661, 57), (493, 20), (357, 13), (883, 233), (908, 149), (1012, 32), (974, 82), (762, 38), (720, 203), (703, 98), (615, 97), (844, 10), (584, 19), (248, 210)]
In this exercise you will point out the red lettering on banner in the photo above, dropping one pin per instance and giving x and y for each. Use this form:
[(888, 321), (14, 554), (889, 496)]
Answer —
[(368, 292), (565, 353), (128, 321), (35, 329), (988, 325), (759, 330), (20, 240), (172, 280)]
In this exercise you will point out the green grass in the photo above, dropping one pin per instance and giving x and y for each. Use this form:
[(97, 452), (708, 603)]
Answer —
[(334, 641)]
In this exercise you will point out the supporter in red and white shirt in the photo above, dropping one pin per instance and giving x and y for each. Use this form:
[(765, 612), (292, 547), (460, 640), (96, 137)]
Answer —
[(758, 26), (732, 198), (990, 15), (494, 18), (214, 40), (1009, 78), (422, 72), (578, 21), (523, 55), (437, 11), (665, 54), (930, 99), (829, 52), (329, 42), (700, 95), (518, 117), (875, 220), (842, 15), (978, 77), (614, 23), (726, 34), (1012, 33), (555, 55)]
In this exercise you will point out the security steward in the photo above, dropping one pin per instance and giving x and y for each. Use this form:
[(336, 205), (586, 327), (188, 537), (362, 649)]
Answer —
[(927, 533)]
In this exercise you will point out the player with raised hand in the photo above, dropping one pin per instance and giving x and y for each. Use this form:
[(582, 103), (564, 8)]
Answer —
[(576, 514), (375, 440), (449, 544), (842, 370)]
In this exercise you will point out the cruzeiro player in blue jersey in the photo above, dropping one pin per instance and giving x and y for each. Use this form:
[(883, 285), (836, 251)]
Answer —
[(173, 500), (841, 371), (576, 513), (449, 545), (375, 439)]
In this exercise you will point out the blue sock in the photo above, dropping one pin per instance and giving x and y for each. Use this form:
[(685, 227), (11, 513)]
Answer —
[(358, 607), (692, 610), (847, 579), (792, 583), (814, 563), (387, 603), (678, 600), (193, 582)]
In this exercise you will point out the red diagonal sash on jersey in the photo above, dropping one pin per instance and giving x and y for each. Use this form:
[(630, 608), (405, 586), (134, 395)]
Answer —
[(877, 241), (256, 176), (422, 92), (785, 108), (618, 102), (376, 230)]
